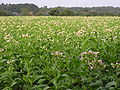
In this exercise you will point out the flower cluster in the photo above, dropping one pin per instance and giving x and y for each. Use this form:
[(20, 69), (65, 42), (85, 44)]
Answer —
[(57, 53), (10, 61), (25, 35), (8, 37), (115, 65), (80, 33), (90, 58), (108, 30), (89, 53)]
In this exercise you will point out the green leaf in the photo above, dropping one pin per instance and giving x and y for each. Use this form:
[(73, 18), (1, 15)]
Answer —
[(13, 84), (46, 88), (111, 84), (41, 80), (97, 83), (38, 77), (25, 78)]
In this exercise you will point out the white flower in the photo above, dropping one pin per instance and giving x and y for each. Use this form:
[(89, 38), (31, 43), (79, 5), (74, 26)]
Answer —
[(83, 53), (90, 51), (57, 53), (25, 35), (95, 53), (80, 33), (100, 61), (1, 49), (108, 30), (10, 61), (91, 67)]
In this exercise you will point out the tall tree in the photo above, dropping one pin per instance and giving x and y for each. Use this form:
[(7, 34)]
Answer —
[(67, 13), (4, 13), (54, 12), (25, 12)]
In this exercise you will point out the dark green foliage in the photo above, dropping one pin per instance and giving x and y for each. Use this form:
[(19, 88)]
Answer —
[(17, 7), (4, 13), (25, 12), (63, 11), (54, 12), (43, 12), (67, 13)]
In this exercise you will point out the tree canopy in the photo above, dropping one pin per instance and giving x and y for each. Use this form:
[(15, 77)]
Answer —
[(32, 9)]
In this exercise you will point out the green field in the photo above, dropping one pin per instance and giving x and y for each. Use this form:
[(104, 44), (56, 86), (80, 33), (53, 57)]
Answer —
[(59, 53)]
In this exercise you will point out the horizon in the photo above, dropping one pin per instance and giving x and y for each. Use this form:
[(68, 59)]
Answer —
[(63, 6), (67, 3)]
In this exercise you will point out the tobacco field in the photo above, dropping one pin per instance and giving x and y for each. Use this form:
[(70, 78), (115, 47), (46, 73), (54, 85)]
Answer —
[(59, 53)]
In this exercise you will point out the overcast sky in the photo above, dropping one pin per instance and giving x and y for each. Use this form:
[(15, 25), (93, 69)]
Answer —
[(67, 3)]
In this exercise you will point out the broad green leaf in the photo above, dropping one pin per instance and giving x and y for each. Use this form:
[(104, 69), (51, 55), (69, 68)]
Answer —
[(111, 84)]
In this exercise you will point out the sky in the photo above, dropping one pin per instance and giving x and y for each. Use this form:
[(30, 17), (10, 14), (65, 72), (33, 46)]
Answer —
[(67, 3)]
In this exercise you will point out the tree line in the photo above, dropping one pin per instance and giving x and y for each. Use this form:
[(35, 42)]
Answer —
[(34, 10)]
